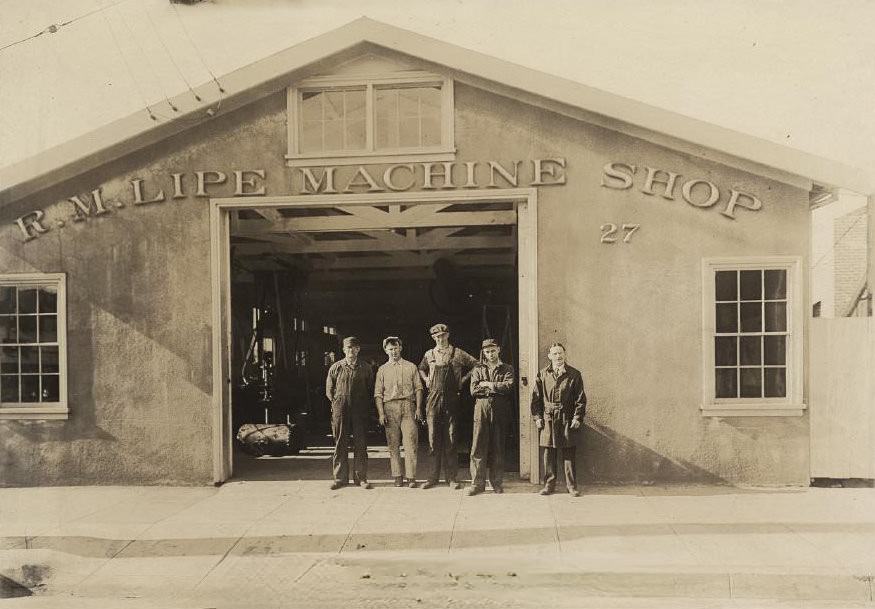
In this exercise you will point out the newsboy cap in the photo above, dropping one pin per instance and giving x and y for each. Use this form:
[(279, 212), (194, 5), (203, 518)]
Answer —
[(438, 329), (351, 341), (490, 342), (390, 340)]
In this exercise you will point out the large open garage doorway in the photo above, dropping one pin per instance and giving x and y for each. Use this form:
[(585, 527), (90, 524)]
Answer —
[(303, 273)]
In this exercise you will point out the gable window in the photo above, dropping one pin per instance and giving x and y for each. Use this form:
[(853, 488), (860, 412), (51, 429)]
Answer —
[(752, 338), (370, 120), (33, 363)]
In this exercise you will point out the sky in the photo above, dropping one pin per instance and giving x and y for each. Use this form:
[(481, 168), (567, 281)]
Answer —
[(799, 73)]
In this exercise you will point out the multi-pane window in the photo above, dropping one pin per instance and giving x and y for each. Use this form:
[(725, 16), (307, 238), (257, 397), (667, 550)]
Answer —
[(751, 332), (333, 121), (340, 118), (32, 341), (408, 117)]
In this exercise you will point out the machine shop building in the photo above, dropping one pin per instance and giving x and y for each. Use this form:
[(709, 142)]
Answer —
[(713, 288)]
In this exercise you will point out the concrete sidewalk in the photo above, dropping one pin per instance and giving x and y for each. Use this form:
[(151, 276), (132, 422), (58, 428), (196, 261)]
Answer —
[(299, 544)]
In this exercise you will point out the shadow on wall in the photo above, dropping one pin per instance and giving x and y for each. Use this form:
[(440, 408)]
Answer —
[(613, 458), (33, 434)]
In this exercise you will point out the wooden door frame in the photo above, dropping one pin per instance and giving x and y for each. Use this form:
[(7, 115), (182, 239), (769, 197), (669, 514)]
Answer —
[(526, 200)]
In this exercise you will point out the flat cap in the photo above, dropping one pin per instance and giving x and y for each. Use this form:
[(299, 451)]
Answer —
[(391, 339), (489, 342), (351, 341), (438, 329)]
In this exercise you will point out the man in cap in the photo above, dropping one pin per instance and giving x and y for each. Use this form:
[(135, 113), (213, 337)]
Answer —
[(398, 393), (558, 406), (445, 370), (492, 385), (349, 387)]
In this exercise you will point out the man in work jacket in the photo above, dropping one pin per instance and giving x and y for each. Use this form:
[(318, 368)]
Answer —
[(445, 370), (350, 388), (492, 384), (558, 406), (398, 393)]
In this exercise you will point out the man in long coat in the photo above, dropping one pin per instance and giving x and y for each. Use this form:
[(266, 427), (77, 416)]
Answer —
[(445, 370), (558, 406), (492, 384), (350, 389)]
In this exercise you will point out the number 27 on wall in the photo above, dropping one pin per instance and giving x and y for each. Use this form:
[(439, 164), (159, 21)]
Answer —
[(610, 230)]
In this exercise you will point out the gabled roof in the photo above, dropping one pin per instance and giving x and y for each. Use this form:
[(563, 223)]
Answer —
[(274, 73)]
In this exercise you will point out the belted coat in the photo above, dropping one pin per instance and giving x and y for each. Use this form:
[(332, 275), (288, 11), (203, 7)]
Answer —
[(558, 401)]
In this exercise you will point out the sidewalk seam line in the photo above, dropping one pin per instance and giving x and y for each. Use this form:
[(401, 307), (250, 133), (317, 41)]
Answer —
[(356, 521), (453, 526), (555, 525), (239, 539)]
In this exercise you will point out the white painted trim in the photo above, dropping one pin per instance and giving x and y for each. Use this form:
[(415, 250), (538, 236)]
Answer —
[(44, 410), (793, 402), (220, 208), (34, 413), (419, 155), (756, 409), (345, 81)]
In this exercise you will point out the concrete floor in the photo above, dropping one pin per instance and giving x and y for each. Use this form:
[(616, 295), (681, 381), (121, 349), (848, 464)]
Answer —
[(295, 543)]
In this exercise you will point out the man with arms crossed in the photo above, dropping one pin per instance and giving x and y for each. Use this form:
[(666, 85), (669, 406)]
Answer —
[(492, 385), (398, 393)]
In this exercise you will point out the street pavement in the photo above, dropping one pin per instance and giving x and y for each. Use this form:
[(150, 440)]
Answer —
[(295, 543)]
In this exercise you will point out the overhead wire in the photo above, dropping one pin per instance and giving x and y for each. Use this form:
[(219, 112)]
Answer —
[(196, 49), (130, 71), (170, 55), (146, 60), (53, 28)]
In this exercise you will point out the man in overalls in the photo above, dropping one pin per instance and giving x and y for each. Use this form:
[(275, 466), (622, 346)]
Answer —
[(350, 389), (492, 384), (558, 406), (445, 370)]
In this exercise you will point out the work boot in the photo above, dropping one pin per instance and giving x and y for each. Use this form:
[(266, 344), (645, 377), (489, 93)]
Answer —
[(366, 485), (454, 485), (411, 483), (399, 481), (498, 490), (475, 490), (546, 491), (337, 484), (574, 492), (429, 484)]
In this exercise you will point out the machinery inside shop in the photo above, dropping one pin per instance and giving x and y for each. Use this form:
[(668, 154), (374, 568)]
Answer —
[(303, 278)]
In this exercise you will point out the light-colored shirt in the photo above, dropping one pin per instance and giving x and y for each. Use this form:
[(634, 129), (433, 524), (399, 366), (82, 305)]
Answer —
[(558, 371), (397, 381)]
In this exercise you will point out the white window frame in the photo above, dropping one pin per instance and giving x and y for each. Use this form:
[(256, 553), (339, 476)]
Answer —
[(44, 410), (446, 151), (790, 405)]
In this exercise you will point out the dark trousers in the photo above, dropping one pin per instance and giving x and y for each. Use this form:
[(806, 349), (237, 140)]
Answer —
[(551, 458), (487, 445), (342, 425), (442, 434)]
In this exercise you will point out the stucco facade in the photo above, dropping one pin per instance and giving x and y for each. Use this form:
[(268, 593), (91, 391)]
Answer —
[(140, 338)]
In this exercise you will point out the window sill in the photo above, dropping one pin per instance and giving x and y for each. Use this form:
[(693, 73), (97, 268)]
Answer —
[(753, 409), (34, 413), (373, 158)]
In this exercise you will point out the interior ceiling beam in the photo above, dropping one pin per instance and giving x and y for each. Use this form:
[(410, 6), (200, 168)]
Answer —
[(388, 262), (409, 260), (460, 219), (423, 242), (315, 280)]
